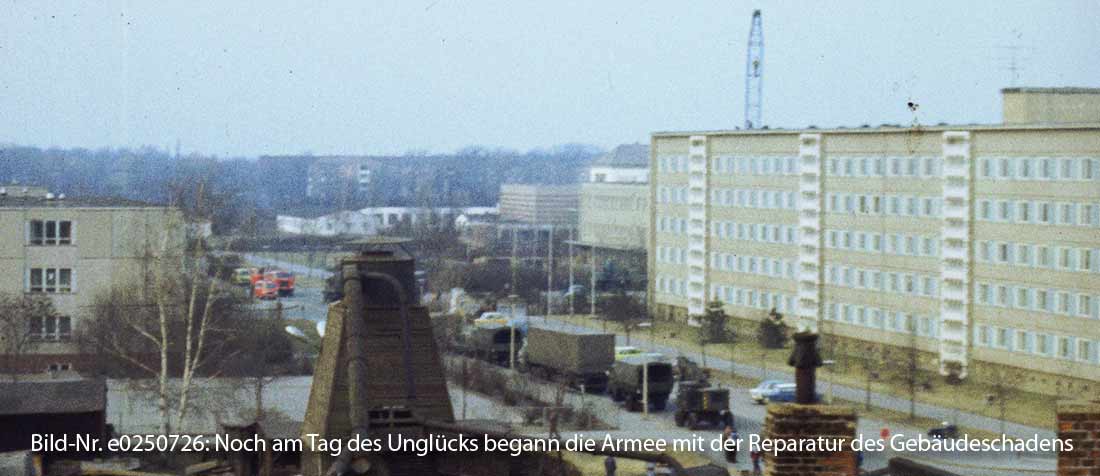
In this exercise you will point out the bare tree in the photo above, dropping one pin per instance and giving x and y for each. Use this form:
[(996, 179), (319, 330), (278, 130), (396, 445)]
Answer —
[(22, 317), (624, 310), (173, 326)]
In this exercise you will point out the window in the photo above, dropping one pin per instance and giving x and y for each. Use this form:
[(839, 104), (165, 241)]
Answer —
[(50, 280), (1084, 305), (1023, 255), (59, 367), (1023, 298), (983, 335), (985, 210), (1045, 343), (1024, 212), (50, 232), (984, 295), (1065, 348), (1042, 300), (54, 328)]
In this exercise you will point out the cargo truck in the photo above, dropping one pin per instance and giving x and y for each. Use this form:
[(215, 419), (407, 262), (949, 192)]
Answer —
[(697, 402), (581, 360), (491, 342), (626, 381)]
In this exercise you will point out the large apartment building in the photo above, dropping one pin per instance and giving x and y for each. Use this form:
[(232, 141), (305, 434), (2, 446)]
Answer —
[(71, 250), (978, 245)]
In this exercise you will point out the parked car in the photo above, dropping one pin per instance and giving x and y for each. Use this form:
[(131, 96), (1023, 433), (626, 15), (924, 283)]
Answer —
[(242, 276), (946, 431), (626, 350), (265, 289), (785, 392), (766, 388)]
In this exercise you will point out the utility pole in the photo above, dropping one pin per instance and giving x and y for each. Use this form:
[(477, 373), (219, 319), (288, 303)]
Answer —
[(592, 298), (549, 270), (515, 265), (572, 294)]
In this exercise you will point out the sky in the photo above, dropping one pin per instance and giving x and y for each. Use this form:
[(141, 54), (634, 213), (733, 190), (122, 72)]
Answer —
[(241, 78)]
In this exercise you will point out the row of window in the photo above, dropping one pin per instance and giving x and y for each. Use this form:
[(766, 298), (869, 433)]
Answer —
[(1013, 168), (888, 204), (672, 255), (672, 195), (1037, 343), (884, 281), (673, 286), (762, 232), (672, 225), (760, 265), (1032, 168), (672, 163), (883, 319), (915, 167), (1063, 258), (895, 243), (756, 165), (52, 328), (50, 280), (50, 232), (754, 198), (1053, 301), (1044, 213), (746, 297)]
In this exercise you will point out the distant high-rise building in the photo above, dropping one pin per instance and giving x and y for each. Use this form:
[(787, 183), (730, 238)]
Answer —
[(342, 181), (539, 204)]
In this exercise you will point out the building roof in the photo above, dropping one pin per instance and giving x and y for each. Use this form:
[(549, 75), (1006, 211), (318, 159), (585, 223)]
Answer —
[(881, 129), (626, 155), (72, 202), (1062, 90), (37, 398)]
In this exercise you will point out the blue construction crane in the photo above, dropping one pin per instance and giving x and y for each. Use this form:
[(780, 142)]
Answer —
[(754, 74)]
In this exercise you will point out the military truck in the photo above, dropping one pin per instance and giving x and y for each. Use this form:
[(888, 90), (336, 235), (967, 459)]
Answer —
[(578, 359), (491, 342), (697, 402), (626, 384)]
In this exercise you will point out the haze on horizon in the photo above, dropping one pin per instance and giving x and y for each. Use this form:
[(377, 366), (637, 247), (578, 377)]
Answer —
[(245, 79)]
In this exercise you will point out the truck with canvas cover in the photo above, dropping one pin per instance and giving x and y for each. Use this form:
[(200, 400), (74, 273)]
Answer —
[(578, 359), (627, 381)]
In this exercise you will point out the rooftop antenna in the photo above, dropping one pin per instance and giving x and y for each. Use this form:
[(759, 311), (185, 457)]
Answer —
[(754, 73), (1012, 56)]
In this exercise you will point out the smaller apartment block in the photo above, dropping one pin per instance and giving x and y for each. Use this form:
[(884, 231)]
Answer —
[(73, 249), (979, 245), (614, 203)]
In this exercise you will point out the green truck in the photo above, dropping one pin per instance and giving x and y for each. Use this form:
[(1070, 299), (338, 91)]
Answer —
[(626, 381), (492, 343), (697, 402), (579, 359)]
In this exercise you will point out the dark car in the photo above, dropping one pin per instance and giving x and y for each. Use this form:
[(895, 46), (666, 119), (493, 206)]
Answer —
[(946, 431), (786, 393)]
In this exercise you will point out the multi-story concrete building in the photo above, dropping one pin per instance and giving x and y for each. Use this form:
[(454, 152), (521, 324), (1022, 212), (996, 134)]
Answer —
[(341, 180), (72, 250), (539, 204), (614, 203), (976, 244)]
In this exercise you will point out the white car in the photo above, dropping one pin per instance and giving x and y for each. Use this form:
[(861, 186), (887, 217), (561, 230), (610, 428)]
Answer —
[(766, 389)]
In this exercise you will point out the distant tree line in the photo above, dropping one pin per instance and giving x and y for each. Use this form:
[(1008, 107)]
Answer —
[(250, 191)]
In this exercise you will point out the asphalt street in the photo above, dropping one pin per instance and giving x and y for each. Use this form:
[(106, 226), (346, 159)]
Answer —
[(307, 304)]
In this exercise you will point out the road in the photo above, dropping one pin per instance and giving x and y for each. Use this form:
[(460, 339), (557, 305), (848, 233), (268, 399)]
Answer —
[(307, 304)]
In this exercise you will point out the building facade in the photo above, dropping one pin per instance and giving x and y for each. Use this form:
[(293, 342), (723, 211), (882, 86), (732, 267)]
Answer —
[(72, 250), (539, 204), (341, 180), (977, 244), (614, 203)]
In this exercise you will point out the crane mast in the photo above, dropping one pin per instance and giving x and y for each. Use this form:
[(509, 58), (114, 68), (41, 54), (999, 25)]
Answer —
[(754, 74)]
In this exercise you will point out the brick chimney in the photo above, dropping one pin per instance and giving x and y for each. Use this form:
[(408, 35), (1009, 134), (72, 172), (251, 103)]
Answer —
[(806, 420), (1080, 423)]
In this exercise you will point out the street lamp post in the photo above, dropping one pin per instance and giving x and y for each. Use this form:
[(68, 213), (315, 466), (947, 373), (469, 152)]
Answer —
[(830, 364)]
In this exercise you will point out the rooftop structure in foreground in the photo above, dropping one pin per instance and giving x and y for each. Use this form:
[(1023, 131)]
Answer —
[(979, 245)]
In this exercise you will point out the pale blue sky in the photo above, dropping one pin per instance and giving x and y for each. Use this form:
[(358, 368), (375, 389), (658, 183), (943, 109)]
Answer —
[(267, 77)]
